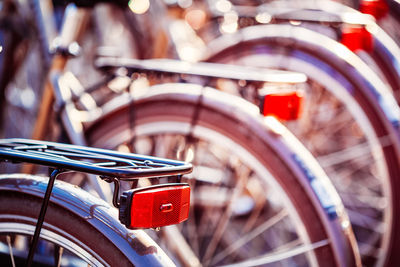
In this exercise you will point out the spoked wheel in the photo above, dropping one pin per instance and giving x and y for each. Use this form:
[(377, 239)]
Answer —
[(66, 239), (252, 201), (343, 125), (15, 246)]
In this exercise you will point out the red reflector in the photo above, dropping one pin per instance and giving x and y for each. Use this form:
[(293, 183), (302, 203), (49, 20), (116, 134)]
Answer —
[(159, 206), (357, 38), (375, 8), (284, 106)]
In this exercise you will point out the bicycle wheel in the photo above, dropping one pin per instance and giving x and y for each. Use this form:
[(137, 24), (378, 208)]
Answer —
[(350, 124), (257, 198), (79, 230)]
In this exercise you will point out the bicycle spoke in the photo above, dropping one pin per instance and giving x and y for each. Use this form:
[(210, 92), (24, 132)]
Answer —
[(368, 222), (344, 156), (58, 252), (363, 201), (192, 228), (193, 231), (209, 209), (280, 254), (259, 196), (351, 176), (250, 236), (10, 250), (242, 176), (337, 123), (367, 249), (176, 242)]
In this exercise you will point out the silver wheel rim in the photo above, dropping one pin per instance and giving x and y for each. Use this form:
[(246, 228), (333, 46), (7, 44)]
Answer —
[(52, 235)]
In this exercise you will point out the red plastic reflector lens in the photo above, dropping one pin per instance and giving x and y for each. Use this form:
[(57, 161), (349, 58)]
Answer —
[(284, 106), (375, 8), (160, 206), (357, 38)]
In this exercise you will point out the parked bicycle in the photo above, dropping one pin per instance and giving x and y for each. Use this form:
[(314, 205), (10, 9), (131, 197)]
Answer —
[(62, 225)]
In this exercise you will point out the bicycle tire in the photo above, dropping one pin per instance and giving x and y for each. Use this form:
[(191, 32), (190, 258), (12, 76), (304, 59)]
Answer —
[(351, 83), (230, 122), (80, 223)]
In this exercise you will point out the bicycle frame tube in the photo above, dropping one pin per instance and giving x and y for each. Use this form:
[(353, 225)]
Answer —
[(40, 28), (74, 25)]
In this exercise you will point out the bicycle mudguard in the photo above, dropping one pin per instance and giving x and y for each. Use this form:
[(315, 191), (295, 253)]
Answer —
[(202, 69), (136, 245)]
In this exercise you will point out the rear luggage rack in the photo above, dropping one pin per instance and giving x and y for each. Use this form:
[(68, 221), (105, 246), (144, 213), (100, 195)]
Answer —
[(147, 207), (103, 162)]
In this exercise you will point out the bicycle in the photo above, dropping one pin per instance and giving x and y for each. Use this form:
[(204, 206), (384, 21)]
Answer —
[(249, 149), (70, 226)]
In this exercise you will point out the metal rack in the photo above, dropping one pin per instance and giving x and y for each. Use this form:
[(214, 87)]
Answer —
[(103, 162), (112, 166)]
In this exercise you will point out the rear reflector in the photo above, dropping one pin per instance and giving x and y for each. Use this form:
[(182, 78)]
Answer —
[(357, 38), (377, 8), (283, 105), (155, 206)]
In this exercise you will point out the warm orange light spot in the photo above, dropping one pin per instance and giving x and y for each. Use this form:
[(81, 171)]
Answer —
[(196, 18)]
